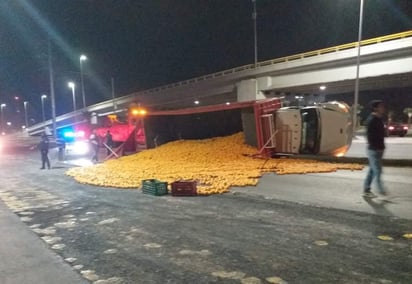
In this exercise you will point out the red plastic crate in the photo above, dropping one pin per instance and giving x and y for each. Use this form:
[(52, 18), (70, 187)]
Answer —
[(184, 188)]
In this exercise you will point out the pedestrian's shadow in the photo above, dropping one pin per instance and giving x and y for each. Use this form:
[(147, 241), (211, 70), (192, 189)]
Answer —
[(384, 221), (379, 206)]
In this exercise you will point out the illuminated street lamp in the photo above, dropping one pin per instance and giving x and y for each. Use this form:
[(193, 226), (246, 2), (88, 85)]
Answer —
[(25, 103), (43, 97), (82, 58), (356, 98), (73, 87), (2, 106)]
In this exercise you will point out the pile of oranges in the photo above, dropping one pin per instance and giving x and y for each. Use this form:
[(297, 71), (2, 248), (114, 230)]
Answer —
[(216, 164)]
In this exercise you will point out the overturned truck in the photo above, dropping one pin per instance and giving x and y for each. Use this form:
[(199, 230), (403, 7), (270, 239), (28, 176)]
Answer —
[(324, 129)]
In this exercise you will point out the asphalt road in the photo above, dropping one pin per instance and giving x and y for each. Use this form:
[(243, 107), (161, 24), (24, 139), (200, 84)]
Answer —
[(289, 229)]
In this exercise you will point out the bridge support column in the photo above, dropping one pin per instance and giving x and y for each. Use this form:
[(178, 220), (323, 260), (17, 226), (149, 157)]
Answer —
[(247, 90)]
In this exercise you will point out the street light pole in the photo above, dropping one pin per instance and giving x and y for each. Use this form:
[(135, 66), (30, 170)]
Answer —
[(25, 113), (113, 95), (254, 16), (73, 86), (52, 93), (2, 106), (43, 97), (356, 99), (82, 58)]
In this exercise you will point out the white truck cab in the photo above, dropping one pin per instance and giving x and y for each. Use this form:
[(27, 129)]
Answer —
[(324, 129)]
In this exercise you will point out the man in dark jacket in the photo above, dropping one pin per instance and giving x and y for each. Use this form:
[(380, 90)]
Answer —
[(109, 142), (375, 132), (43, 147)]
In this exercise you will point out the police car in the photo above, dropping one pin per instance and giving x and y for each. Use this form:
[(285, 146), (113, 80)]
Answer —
[(72, 142)]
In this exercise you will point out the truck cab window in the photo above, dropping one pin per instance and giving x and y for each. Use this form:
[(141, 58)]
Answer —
[(310, 131)]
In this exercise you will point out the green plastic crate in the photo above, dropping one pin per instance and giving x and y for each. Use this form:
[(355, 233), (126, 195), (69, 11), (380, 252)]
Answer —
[(154, 187)]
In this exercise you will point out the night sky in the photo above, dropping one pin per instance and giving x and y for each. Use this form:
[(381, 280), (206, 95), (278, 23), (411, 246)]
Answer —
[(148, 43)]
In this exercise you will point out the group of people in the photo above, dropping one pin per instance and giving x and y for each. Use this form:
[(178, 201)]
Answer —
[(44, 146), (94, 141)]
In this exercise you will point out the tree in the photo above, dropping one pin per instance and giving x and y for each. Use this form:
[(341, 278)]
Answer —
[(408, 112)]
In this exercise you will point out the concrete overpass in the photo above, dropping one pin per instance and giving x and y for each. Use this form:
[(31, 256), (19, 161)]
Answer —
[(385, 62)]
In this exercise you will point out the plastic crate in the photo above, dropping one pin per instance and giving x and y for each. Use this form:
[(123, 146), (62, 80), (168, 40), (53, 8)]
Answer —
[(184, 188), (154, 187)]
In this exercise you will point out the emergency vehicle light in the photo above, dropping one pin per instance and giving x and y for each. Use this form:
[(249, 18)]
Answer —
[(80, 133), (68, 134)]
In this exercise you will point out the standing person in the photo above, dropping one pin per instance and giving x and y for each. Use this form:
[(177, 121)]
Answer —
[(95, 146), (61, 145), (43, 147), (109, 142), (375, 133)]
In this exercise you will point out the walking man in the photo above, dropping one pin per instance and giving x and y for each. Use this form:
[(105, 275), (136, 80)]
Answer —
[(375, 133)]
